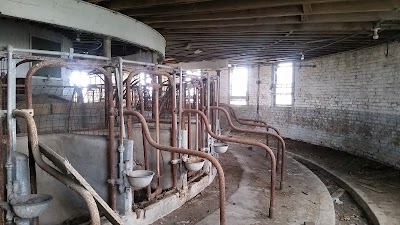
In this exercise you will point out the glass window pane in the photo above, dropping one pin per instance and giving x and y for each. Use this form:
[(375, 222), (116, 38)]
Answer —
[(238, 82), (284, 84)]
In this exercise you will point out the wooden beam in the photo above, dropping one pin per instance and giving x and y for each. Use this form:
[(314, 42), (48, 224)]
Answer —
[(218, 6), (326, 8), (285, 27), (325, 18), (129, 4), (307, 9)]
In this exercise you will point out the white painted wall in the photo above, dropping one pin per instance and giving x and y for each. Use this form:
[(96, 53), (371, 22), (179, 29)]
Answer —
[(349, 101)]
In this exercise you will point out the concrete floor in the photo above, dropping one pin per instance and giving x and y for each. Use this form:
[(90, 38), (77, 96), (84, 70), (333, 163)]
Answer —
[(305, 198), (374, 186)]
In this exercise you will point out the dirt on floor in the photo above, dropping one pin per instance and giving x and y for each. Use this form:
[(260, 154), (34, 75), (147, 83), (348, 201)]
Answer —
[(207, 201), (347, 211)]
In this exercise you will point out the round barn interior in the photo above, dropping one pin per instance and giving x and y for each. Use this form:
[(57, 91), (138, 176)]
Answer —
[(199, 112)]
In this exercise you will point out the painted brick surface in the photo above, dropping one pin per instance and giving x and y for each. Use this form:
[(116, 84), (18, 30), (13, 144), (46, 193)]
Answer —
[(349, 102)]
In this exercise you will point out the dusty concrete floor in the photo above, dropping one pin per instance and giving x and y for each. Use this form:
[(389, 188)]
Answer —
[(347, 211), (378, 184), (207, 201), (305, 198)]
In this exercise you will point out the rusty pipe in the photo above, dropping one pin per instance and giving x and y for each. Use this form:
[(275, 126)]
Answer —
[(234, 140), (173, 112), (279, 139), (34, 143), (145, 154), (242, 121), (157, 126), (214, 161), (110, 108)]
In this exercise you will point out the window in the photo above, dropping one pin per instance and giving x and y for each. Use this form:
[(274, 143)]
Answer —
[(283, 84), (238, 86)]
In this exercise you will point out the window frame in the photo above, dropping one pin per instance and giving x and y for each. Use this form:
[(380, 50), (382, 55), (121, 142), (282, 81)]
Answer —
[(246, 97), (274, 84)]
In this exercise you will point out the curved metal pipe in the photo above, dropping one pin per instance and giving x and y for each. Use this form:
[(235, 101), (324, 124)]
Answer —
[(234, 140), (172, 84), (111, 114), (279, 139), (34, 147), (242, 121), (214, 161)]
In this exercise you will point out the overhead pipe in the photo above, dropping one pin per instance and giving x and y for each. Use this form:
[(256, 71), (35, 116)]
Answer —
[(111, 114), (37, 156), (204, 155), (281, 153), (240, 141)]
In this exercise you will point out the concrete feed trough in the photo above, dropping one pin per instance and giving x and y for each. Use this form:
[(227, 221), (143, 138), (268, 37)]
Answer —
[(30, 206), (140, 178)]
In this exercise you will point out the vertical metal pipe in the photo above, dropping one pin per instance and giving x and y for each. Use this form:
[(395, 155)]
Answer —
[(202, 131), (11, 122), (208, 104), (258, 92), (129, 107), (157, 126), (189, 106), (217, 93), (180, 135), (111, 151), (145, 157), (121, 148), (196, 102), (174, 127), (2, 183)]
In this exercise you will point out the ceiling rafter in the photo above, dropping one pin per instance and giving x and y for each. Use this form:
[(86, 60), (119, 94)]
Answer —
[(218, 6), (263, 31)]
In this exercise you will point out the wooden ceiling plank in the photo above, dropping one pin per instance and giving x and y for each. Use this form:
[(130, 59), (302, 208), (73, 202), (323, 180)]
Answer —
[(326, 8), (319, 27), (324, 18), (218, 6), (129, 4)]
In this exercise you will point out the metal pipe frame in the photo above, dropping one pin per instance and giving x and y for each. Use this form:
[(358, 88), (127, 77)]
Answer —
[(11, 124), (240, 141), (34, 148), (204, 155), (171, 80), (279, 139), (111, 114), (257, 123)]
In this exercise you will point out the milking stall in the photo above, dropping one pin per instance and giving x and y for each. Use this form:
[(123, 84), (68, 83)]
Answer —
[(199, 112)]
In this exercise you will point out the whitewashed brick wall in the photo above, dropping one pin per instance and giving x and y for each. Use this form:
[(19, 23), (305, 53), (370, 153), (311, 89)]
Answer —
[(349, 102)]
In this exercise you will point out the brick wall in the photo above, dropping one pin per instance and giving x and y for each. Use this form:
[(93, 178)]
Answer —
[(349, 102)]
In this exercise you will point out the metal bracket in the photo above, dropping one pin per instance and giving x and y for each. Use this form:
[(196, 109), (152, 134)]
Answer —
[(3, 113)]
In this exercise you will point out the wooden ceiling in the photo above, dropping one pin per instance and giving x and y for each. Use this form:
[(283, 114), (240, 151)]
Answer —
[(263, 31)]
